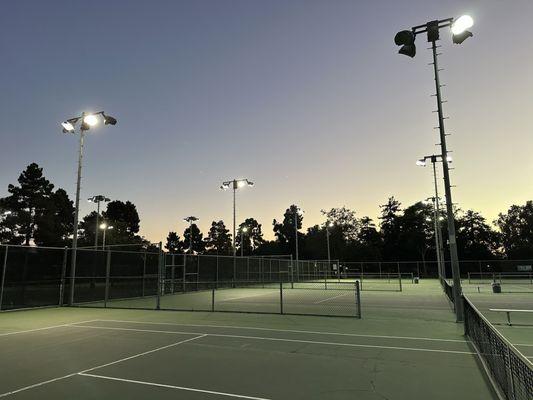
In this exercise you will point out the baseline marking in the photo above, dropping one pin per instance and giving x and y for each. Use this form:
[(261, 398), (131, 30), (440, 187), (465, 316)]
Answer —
[(22, 389), (284, 330), (189, 389), (279, 340), (245, 297), (330, 298), (47, 327)]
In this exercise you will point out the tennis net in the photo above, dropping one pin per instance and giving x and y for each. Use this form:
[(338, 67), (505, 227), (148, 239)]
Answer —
[(509, 371)]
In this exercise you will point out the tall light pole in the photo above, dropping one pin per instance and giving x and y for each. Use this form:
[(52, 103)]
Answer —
[(329, 224), (406, 39), (85, 121), (190, 220), (436, 211), (297, 212), (97, 199), (104, 227), (244, 229), (235, 184)]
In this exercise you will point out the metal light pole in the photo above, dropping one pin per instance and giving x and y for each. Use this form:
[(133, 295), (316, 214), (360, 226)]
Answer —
[(297, 212), (328, 225), (190, 220), (436, 208), (104, 228), (97, 199), (85, 122), (406, 39), (244, 229), (235, 184)]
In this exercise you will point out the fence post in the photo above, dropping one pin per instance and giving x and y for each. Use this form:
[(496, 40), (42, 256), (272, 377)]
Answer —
[(400, 277), (358, 299), (184, 287), (248, 269), (197, 271), (107, 274), (213, 299), (281, 297), (144, 274), (216, 281), (262, 271), (4, 267), (159, 268), (63, 273), (172, 271)]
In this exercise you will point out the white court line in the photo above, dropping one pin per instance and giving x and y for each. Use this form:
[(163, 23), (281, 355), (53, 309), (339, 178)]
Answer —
[(97, 367), (279, 339), (330, 298), (48, 327), (524, 344), (245, 297), (189, 389), (285, 330)]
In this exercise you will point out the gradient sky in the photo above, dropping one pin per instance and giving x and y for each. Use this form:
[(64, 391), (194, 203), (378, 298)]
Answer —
[(309, 99)]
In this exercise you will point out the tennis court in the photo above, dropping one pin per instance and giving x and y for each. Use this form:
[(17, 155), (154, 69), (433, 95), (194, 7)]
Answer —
[(136, 354)]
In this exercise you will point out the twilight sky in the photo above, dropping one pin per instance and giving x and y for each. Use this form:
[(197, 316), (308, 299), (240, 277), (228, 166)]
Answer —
[(307, 98)]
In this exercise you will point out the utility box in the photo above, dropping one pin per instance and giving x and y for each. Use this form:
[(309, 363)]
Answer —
[(496, 288), (416, 279)]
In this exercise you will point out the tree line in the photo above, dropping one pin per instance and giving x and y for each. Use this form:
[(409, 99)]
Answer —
[(34, 212)]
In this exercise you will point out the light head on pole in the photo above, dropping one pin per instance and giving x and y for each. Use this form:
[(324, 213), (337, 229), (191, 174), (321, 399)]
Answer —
[(406, 39)]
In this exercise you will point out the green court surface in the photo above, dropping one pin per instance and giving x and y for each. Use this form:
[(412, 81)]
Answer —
[(406, 346), (520, 334)]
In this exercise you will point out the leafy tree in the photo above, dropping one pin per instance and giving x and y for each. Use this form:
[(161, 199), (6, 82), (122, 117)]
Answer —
[(56, 225), (389, 227), (193, 234), (28, 202), (124, 218), (174, 245), (476, 240), (218, 240), (368, 243), (253, 237), (516, 227), (344, 221), (415, 233), (285, 230)]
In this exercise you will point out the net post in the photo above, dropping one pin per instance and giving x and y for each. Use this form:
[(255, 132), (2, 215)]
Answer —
[(159, 268), (63, 274), (400, 277), (4, 267), (358, 299), (281, 297), (107, 274)]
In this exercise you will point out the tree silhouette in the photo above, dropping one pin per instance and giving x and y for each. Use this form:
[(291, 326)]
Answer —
[(285, 230), (218, 240), (193, 234), (174, 244), (253, 237), (28, 202), (516, 226), (55, 226)]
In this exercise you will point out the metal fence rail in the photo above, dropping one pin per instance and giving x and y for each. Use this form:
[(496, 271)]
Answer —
[(510, 372)]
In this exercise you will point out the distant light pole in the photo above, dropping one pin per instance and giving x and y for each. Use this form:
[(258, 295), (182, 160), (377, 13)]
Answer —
[(97, 199), (406, 39), (235, 184), (244, 229), (190, 220), (329, 224), (104, 227), (85, 121), (436, 211), (297, 212)]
